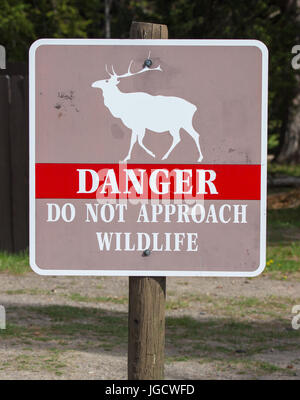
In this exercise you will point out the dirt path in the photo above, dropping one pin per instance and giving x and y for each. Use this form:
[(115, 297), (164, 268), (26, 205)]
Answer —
[(217, 328)]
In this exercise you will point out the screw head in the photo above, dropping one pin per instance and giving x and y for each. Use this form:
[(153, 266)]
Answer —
[(147, 63), (146, 253)]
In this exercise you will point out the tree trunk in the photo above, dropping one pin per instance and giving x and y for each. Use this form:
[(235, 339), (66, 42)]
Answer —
[(289, 152), (107, 18)]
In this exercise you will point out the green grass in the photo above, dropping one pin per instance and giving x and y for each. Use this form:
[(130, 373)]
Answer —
[(14, 263), (98, 299), (278, 169), (176, 304), (285, 258), (12, 331), (35, 363), (170, 304), (64, 324), (230, 332), (64, 313), (33, 292), (224, 340), (283, 250), (284, 218), (239, 366)]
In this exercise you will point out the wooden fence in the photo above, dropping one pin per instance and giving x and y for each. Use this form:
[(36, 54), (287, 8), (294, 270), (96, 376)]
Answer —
[(14, 156)]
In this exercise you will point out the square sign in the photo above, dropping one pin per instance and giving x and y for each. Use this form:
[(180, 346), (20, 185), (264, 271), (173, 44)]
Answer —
[(148, 157)]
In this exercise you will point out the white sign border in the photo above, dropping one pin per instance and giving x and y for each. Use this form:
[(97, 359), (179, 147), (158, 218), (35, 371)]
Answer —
[(147, 42)]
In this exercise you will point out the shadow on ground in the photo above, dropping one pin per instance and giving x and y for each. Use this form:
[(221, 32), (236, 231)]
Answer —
[(98, 330)]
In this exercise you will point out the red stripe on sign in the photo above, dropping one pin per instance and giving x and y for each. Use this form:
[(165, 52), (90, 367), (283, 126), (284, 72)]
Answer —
[(148, 181)]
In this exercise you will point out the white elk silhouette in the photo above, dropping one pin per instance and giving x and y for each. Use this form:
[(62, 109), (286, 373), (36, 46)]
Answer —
[(140, 111)]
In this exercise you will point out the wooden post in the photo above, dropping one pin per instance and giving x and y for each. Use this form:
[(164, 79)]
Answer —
[(146, 339), (146, 30), (147, 295)]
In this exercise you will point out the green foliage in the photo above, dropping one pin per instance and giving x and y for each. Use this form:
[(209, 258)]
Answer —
[(58, 18), (16, 28), (22, 22)]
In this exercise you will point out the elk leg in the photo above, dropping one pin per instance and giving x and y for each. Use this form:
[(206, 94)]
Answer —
[(140, 140), (195, 135), (176, 140), (132, 142)]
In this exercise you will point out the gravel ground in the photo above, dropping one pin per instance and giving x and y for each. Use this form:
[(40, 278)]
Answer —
[(217, 328)]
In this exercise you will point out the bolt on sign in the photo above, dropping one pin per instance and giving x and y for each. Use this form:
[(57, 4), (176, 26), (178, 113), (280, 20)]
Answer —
[(148, 157)]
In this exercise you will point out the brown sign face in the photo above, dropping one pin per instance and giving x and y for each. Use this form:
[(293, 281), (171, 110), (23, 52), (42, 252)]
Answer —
[(148, 157)]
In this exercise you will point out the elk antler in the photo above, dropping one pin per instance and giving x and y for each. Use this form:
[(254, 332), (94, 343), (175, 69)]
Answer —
[(129, 73), (108, 70)]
